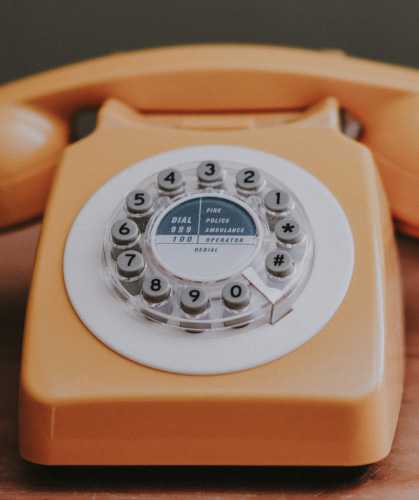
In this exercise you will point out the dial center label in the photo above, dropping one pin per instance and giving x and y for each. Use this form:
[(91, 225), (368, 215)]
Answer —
[(205, 238)]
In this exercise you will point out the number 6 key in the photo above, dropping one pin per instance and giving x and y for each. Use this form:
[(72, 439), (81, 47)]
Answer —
[(124, 234)]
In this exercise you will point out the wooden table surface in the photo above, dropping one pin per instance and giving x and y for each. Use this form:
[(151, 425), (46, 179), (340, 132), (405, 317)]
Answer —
[(396, 478)]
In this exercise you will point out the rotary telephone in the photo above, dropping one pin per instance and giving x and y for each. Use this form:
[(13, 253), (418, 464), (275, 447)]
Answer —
[(217, 280)]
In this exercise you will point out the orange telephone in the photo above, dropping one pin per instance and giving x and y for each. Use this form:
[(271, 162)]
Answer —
[(217, 280)]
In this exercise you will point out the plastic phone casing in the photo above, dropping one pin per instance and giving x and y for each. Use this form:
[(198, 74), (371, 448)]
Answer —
[(334, 401)]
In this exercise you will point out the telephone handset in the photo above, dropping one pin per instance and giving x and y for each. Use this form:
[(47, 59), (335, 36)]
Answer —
[(217, 259), (35, 111)]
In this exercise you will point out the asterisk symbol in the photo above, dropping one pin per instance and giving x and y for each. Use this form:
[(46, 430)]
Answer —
[(288, 227)]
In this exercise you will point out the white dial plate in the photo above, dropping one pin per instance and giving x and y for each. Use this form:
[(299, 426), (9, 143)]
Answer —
[(171, 349)]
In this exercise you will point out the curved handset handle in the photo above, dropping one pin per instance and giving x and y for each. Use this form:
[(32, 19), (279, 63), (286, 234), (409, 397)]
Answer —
[(35, 111)]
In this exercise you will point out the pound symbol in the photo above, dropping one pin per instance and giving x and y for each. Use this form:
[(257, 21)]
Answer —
[(279, 260)]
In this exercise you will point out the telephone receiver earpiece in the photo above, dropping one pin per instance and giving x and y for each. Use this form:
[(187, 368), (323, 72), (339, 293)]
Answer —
[(391, 134), (35, 112), (31, 144)]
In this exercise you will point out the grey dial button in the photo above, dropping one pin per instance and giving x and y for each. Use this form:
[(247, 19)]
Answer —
[(130, 263), (130, 267), (279, 263), (124, 232), (288, 231), (156, 288), (170, 180), (236, 295), (277, 200), (210, 173), (139, 202), (249, 179), (194, 300)]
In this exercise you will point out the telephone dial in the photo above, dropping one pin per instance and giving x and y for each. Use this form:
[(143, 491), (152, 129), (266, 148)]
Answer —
[(217, 280)]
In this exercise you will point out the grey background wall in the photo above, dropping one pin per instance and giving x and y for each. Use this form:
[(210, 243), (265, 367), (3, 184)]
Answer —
[(40, 34)]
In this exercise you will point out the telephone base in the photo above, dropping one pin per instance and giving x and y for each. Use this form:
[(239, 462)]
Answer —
[(333, 401)]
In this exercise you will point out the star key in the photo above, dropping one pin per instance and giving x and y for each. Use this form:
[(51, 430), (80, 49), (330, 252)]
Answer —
[(288, 228), (288, 231)]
